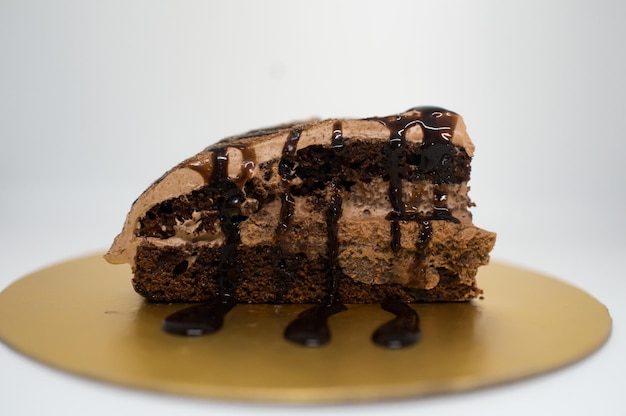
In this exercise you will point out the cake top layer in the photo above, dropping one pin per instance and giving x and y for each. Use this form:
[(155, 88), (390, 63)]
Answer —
[(238, 158)]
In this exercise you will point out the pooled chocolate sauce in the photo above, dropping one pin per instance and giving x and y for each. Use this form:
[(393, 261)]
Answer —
[(310, 328), (402, 331), (201, 319)]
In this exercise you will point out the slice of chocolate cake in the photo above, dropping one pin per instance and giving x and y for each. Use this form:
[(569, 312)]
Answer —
[(356, 210)]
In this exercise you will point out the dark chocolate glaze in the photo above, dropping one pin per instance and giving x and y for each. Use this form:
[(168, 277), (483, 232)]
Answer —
[(402, 331), (207, 318), (310, 328), (437, 126), (337, 139), (396, 144), (333, 213), (285, 167), (425, 234), (217, 171), (229, 213)]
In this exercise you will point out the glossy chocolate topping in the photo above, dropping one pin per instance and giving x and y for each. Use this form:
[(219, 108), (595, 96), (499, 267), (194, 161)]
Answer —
[(311, 328), (437, 125), (285, 168)]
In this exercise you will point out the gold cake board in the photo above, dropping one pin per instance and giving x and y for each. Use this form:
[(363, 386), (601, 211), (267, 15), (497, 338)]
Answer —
[(82, 316)]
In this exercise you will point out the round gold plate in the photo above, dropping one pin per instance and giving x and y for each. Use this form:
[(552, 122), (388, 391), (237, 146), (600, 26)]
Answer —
[(83, 317)]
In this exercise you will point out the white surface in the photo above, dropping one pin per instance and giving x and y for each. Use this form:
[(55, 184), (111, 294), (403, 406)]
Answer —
[(97, 99)]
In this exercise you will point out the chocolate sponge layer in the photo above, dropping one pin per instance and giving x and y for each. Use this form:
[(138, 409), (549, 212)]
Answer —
[(190, 273)]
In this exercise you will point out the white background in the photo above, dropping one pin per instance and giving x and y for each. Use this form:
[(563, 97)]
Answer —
[(98, 99)]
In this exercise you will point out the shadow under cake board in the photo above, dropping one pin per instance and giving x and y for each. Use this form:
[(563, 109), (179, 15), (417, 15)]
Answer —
[(83, 317)]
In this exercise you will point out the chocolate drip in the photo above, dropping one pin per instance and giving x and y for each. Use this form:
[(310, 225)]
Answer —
[(229, 199), (217, 170), (285, 166), (229, 214), (440, 207), (291, 142), (310, 328), (438, 214), (402, 331), (337, 139), (287, 208), (204, 318), (208, 317), (220, 167), (397, 128), (333, 213), (395, 190), (247, 165), (424, 236), (438, 125), (229, 268)]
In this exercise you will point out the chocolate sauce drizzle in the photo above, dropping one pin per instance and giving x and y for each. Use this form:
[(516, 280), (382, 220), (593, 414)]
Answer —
[(337, 138), (208, 317), (333, 213), (229, 214), (396, 144), (285, 166), (310, 328), (437, 130)]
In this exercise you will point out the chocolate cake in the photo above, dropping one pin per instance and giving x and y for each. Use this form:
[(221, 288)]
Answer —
[(359, 211)]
